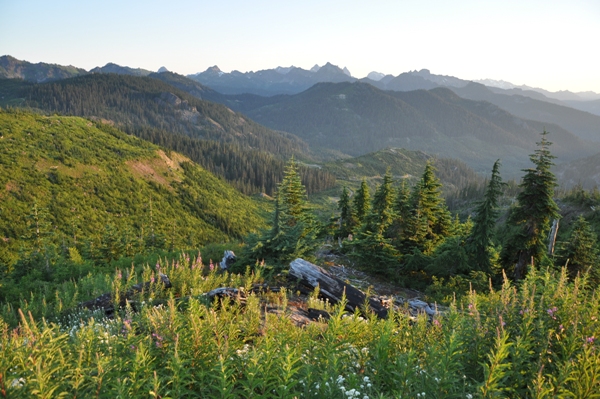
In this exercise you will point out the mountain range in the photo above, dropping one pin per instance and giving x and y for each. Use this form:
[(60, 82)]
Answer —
[(291, 80), (355, 118), (329, 113), (271, 81)]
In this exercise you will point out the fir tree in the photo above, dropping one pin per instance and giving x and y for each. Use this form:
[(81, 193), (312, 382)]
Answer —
[(294, 229), (581, 252), (430, 220), (484, 222), (533, 214), (347, 220), (402, 205), (362, 202), (382, 210), (371, 246), (402, 214)]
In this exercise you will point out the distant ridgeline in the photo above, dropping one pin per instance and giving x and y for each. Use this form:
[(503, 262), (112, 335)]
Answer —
[(226, 143), (356, 118), (73, 183)]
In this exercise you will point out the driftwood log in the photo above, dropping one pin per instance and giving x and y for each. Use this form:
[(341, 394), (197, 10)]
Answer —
[(332, 288), (106, 301)]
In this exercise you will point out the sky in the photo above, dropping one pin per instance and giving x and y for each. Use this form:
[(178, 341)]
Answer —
[(551, 44)]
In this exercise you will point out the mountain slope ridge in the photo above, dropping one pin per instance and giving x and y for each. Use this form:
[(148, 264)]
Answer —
[(89, 176)]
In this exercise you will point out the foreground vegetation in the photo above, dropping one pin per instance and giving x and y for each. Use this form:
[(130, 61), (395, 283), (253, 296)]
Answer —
[(538, 340)]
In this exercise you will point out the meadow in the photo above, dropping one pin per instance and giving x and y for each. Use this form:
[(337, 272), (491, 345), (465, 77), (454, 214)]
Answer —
[(537, 338)]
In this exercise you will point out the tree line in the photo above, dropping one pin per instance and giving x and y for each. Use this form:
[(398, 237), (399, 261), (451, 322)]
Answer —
[(408, 234)]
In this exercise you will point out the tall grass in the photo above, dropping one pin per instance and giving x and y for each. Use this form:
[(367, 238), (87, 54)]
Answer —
[(537, 340)]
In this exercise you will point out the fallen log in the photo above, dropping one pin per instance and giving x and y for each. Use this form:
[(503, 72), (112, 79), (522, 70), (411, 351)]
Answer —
[(332, 288), (106, 301)]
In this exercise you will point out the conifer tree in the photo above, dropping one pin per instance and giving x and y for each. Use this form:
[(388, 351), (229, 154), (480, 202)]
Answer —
[(402, 205), (382, 210), (294, 229), (41, 251), (430, 220), (362, 202), (347, 219), (484, 222), (371, 246), (581, 251), (402, 214), (532, 216)]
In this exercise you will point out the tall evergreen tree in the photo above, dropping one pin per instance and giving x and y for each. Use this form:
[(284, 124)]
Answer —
[(402, 205), (430, 220), (484, 222), (533, 214), (382, 210), (581, 251), (402, 214), (294, 229), (371, 246), (362, 202), (347, 220)]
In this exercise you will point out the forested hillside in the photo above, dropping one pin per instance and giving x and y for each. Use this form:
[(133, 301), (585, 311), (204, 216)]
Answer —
[(67, 183), (356, 118), (131, 101), (227, 144)]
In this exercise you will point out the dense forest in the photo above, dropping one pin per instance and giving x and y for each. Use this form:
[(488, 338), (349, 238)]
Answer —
[(208, 133)]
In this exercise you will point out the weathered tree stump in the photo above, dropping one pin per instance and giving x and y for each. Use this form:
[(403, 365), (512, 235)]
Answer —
[(332, 288), (229, 259)]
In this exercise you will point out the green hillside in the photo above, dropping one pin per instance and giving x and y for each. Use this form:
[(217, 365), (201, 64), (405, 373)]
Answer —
[(461, 185), (228, 144), (89, 183)]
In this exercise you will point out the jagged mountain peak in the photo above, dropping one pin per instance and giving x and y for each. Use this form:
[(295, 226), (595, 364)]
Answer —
[(284, 70)]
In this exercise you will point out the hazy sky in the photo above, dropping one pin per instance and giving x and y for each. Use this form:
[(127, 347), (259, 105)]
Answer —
[(542, 43)]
